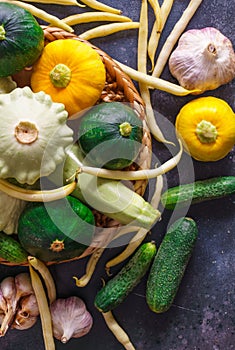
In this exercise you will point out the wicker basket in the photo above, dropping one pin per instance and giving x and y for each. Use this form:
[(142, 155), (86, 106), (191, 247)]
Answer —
[(118, 87)]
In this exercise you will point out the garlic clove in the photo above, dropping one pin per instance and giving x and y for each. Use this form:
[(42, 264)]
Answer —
[(22, 323), (86, 322), (70, 318), (8, 293), (8, 289), (3, 304), (23, 285), (27, 310), (204, 59), (28, 306)]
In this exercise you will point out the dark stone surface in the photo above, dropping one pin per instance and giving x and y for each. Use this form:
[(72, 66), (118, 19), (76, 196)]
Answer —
[(203, 314)]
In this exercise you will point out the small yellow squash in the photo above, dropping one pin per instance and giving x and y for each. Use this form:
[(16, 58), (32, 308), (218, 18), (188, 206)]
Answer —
[(207, 128), (71, 72)]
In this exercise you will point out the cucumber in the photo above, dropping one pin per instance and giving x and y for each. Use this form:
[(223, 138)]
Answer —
[(11, 250), (170, 263), (118, 288), (199, 191)]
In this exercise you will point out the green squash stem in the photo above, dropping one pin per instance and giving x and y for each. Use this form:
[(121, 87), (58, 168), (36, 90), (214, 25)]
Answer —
[(206, 132), (60, 75), (125, 129), (2, 33)]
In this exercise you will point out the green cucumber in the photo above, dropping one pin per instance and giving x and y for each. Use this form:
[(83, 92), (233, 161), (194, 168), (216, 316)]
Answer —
[(118, 288), (11, 250), (199, 191), (169, 264)]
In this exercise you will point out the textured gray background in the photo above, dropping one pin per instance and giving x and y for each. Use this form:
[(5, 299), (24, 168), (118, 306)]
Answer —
[(203, 315)]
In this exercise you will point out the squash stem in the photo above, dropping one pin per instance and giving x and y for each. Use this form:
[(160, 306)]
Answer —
[(2, 33), (60, 75), (125, 129), (26, 132), (206, 132)]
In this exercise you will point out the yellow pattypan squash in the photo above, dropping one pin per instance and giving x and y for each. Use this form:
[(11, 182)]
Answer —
[(71, 72), (207, 128)]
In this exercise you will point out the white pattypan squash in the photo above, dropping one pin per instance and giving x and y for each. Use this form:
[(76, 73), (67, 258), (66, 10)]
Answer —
[(10, 211), (33, 135)]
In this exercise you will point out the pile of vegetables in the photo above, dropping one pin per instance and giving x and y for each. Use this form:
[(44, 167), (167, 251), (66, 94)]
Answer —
[(58, 122)]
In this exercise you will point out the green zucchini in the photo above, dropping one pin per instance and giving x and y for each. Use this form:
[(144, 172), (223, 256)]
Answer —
[(110, 197), (110, 135), (199, 191), (11, 250), (169, 264), (118, 288), (21, 39), (56, 231)]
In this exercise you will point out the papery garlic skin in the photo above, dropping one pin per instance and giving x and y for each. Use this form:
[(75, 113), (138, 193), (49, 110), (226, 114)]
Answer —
[(27, 313), (70, 318), (23, 285), (28, 306), (24, 323), (8, 293), (18, 303), (204, 59), (3, 304)]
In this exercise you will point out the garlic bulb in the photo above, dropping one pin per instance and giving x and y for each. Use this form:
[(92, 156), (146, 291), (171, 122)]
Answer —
[(204, 59), (18, 304), (70, 318)]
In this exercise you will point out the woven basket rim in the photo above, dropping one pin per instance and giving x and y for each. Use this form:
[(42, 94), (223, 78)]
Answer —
[(130, 95)]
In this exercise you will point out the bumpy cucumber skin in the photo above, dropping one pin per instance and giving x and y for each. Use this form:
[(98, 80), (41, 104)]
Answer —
[(199, 191), (170, 263), (11, 250), (118, 288)]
